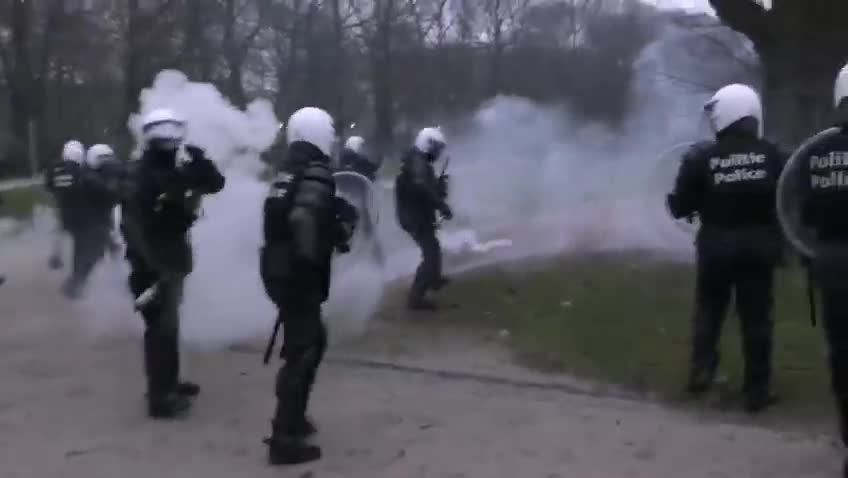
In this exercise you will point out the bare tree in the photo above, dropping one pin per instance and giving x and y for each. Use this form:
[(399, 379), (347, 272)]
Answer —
[(801, 46), (502, 19), (249, 16)]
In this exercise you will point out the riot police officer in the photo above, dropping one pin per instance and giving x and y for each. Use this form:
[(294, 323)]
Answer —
[(167, 184), (824, 170), (353, 158), (730, 184), (61, 180), (96, 198), (419, 196), (304, 222)]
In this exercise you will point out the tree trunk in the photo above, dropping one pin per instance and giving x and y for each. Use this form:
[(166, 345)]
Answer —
[(381, 67), (339, 64), (798, 90), (132, 63), (802, 46), (21, 85)]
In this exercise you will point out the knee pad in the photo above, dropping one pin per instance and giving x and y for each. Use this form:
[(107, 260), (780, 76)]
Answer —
[(299, 364)]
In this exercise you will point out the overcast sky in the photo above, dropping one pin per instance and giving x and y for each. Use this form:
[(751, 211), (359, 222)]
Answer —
[(701, 5)]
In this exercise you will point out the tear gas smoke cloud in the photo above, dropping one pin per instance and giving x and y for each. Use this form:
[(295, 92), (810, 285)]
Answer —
[(225, 301), (552, 183), (523, 174)]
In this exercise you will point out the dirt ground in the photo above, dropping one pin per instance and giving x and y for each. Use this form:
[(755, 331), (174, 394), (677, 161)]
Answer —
[(408, 399), (71, 406)]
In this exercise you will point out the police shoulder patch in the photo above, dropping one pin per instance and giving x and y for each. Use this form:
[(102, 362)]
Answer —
[(280, 185)]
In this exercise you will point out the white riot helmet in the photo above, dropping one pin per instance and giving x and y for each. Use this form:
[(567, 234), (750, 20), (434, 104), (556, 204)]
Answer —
[(840, 89), (163, 129), (98, 154), (73, 151), (314, 126), (355, 144), (430, 141), (731, 104)]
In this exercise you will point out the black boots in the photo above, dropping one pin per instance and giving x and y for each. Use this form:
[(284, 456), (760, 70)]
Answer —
[(421, 303), (170, 406), (441, 283), (758, 402), (292, 449), (700, 381), (187, 389), (174, 405), (305, 428)]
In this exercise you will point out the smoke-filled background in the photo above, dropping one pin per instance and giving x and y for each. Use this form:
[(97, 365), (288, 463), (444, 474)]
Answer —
[(557, 114)]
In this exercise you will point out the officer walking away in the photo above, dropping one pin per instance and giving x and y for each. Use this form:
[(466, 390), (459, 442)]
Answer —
[(730, 183), (114, 172), (96, 199), (824, 212), (168, 182), (419, 196), (353, 158), (60, 180), (304, 222)]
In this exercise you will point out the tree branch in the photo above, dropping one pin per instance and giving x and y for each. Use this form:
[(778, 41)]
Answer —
[(745, 16)]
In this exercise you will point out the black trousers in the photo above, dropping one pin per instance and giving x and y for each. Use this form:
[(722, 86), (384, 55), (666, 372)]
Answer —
[(304, 346), (725, 270), (830, 272), (369, 233), (90, 244), (429, 272), (161, 334)]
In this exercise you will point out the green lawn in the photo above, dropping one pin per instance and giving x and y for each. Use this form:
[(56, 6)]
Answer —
[(19, 203), (625, 319)]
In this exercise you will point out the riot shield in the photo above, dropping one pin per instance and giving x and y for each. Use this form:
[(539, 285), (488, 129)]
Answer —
[(358, 190), (791, 189), (665, 173)]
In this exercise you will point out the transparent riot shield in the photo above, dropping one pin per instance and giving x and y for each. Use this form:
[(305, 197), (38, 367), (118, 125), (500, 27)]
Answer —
[(792, 188), (358, 190)]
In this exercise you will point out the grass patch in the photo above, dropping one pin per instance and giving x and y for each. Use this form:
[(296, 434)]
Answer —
[(19, 203), (625, 319)]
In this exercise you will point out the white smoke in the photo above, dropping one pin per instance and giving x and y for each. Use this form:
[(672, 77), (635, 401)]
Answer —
[(225, 302), (527, 180)]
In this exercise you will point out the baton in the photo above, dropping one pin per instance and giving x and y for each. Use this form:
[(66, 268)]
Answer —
[(271, 341), (146, 297), (811, 296)]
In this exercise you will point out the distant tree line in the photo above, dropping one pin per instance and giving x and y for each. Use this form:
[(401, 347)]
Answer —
[(74, 68)]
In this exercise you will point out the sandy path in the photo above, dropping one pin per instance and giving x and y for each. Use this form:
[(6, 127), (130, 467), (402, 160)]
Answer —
[(71, 406)]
